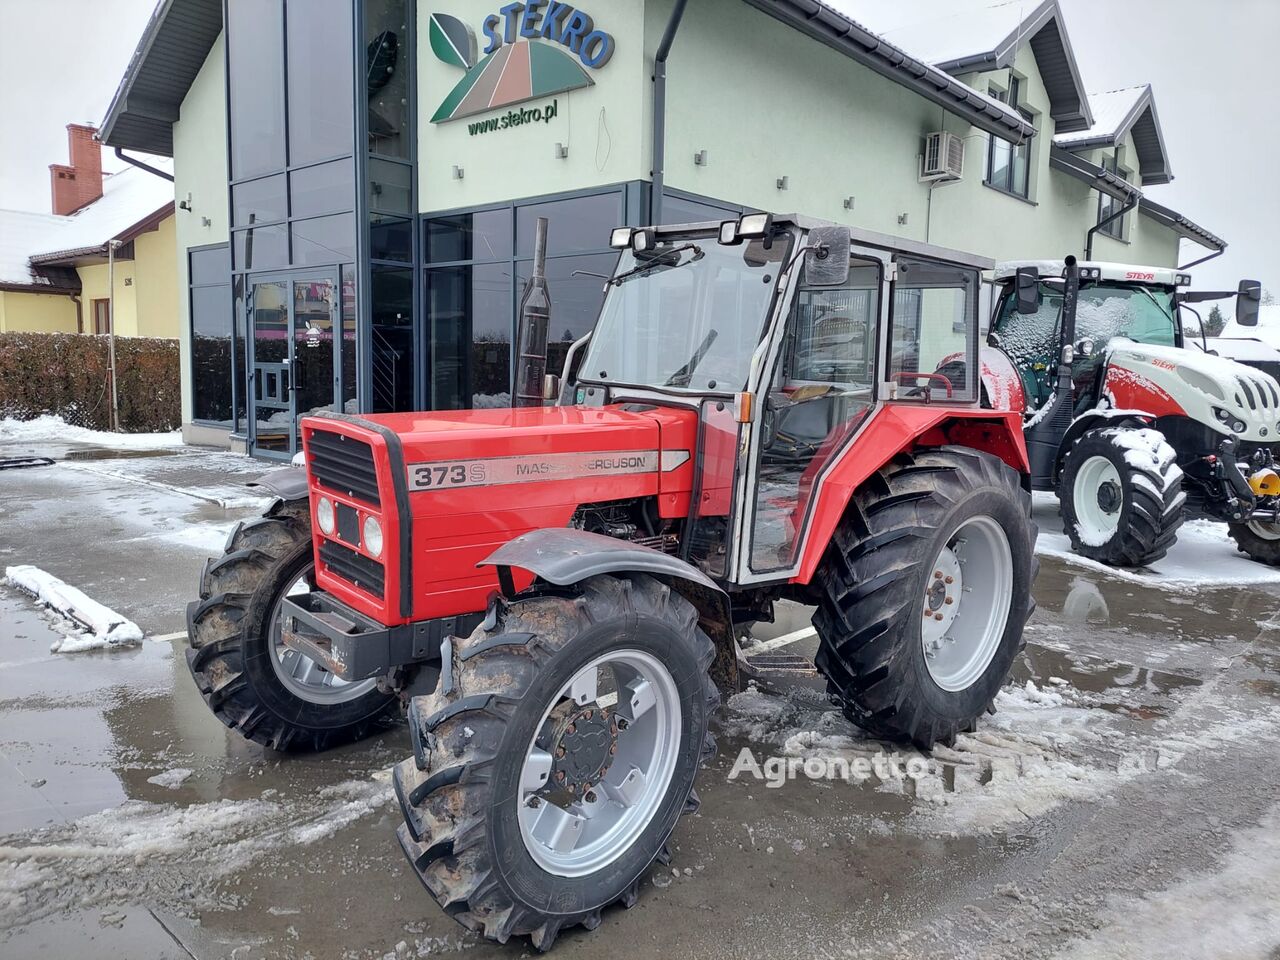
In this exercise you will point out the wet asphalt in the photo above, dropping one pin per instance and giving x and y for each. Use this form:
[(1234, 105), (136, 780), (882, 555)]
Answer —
[(1126, 803)]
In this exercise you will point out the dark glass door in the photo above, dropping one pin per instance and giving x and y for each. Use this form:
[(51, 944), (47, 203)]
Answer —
[(295, 362)]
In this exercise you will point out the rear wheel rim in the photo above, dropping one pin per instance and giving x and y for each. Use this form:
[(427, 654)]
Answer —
[(574, 827), (1098, 496), (302, 676), (966, 603)]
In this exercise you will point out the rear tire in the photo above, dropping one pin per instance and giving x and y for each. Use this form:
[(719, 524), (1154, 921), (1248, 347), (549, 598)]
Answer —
[(892, 569), (1259, 541), (471, 817), (1120, 496), (286, 705)]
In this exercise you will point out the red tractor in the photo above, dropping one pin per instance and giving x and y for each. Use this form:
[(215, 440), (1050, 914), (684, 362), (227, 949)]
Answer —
[(551, 592)]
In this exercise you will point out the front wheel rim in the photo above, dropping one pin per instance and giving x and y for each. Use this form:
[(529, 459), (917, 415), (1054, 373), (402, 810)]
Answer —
[(966, 604), (1098, 497), (1265, 531), (586, 795), (300, 675)]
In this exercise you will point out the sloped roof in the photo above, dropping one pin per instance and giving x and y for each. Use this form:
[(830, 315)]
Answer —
[(965, 36), (130, 200), (1116, 113), (173, 48)]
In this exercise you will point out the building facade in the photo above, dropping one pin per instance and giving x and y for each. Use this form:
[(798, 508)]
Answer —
[(360, 178)]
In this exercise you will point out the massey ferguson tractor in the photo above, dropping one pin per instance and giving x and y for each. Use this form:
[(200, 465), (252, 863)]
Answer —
[(551, 592), (1124, 421)]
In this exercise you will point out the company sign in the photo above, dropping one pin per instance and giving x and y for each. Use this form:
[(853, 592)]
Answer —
[(532, 50)]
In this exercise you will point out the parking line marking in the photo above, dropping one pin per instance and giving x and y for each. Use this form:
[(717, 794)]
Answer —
[(168, 637), (783, 641)]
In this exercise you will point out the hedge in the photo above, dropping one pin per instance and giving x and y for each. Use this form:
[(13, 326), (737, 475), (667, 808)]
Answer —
[(67, 374)]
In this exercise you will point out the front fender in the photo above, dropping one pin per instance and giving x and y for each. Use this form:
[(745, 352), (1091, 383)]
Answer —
[(568, 556), (287, 483)]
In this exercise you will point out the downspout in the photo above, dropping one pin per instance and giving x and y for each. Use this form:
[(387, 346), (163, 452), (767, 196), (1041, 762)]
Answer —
[(111, 331), (143, 166), (75, 298), (1088, 237), (660, 111)]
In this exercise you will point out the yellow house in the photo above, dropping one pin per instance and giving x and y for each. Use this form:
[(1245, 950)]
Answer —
[(107, 251)]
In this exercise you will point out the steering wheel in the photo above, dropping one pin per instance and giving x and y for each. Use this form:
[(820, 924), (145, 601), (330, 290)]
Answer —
[(904, 377)]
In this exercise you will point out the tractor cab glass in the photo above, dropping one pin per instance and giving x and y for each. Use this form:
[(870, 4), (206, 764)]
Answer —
[(1141, 313), (686, 314), (1031, 340)]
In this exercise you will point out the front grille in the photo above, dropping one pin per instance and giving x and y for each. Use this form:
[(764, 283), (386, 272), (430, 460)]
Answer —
[(366, 574), (343, 465)]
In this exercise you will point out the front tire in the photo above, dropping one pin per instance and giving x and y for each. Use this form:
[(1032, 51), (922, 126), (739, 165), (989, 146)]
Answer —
[(1257, 540), (556, 755), (270, 695), (927, 586), (1120, 496)]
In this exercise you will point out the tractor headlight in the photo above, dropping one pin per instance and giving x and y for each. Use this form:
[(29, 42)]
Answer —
[(324, 516), (372, 538), (620, 237)]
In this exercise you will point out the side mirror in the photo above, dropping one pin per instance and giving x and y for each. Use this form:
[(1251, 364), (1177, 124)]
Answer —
[(1248, 300), (826, 261), (1027, 287), (550, 387)]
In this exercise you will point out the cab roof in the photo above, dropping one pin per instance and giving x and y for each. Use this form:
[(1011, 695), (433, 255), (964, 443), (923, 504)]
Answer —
[(1122, 272)]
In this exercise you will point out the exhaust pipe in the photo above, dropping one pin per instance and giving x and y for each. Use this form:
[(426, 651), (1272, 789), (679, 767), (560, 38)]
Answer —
[(535, 320)]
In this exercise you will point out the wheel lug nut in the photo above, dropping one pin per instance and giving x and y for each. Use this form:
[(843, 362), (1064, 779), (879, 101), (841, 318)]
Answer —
[(587, 715), (534, 802), (948, 600), (560, 775), (949, 580), (571, 728), (937, 616), (613, 748), (559, 752), (937, 574), (590, 797)]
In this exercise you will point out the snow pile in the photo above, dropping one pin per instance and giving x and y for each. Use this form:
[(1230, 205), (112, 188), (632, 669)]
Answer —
[(103, 627), (53, 429), (168, 855), (171, 779)]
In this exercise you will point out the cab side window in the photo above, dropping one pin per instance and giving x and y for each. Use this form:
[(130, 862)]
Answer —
[(1030, 340), (933, 347)]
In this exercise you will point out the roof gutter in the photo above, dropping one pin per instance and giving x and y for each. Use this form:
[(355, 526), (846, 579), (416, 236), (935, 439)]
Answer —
[(660, 111), (120, 155), (837, 31)]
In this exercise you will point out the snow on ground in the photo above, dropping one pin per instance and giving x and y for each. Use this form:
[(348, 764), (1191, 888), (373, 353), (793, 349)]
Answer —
[(1227, 914), (1044, 747), (53, 429), (102, 626), (163, 853), (1203, 556)]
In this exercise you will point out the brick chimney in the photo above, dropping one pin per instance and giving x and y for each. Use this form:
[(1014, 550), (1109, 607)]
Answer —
[(80, 183)]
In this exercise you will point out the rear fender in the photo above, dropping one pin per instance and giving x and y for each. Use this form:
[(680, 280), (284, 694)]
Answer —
[(567, 556), (899, 428), (1001, 382)]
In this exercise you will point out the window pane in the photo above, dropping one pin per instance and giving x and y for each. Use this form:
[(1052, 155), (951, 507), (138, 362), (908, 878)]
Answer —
[(258, 201), (211, 357), (255, 55), (469, 236), (241, 353), (932, 332), (390, 238), (391, 296), (575, 301), (261, 248), (320, 112), (386, 41), (582, 223), (390, 189), (327, 188), (469, 319), (324, 239), (1001, 155), (1021, 162), (210, 266)]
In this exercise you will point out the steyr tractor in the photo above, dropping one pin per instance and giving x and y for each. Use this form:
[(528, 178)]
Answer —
[(1124, 421), (551, 592)]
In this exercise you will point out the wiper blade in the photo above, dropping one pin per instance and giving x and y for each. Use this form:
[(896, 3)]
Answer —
[(660, 260), (683, 376), (1151, 296)]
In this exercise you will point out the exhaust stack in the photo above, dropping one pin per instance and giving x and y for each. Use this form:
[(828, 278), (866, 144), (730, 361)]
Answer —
[(535, 320)]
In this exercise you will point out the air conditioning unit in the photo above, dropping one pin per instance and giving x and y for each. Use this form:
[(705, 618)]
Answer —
[(943, 157)]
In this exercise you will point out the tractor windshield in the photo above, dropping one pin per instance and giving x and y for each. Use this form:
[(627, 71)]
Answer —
[(686, 315), (1137, 311)]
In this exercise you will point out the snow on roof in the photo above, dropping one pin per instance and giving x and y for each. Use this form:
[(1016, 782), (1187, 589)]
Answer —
[(129, 196), (962, 29), (1110, 111)]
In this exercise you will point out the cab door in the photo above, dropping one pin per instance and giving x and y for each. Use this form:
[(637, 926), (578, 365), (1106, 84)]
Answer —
[(818, 388)]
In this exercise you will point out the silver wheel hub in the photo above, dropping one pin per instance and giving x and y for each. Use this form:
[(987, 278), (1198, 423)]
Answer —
[(966, 603), (600, 764), (302, 676)]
